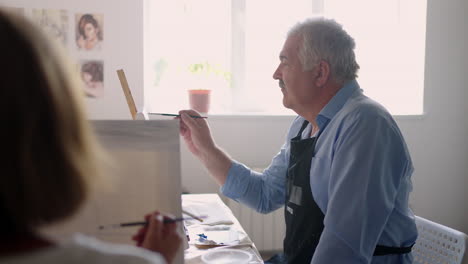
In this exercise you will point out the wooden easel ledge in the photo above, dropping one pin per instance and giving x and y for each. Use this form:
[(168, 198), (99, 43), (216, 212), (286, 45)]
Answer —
[(128, 93)]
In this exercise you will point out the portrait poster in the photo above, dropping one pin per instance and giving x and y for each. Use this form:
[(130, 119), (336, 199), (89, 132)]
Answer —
[(89, 31), (92, 75), (54, 22)]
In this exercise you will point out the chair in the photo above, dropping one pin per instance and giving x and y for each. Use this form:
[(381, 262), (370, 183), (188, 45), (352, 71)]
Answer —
[(439, 244)]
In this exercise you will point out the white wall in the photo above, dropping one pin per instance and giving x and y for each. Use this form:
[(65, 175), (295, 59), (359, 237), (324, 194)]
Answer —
[(436, 140), (122, 48)]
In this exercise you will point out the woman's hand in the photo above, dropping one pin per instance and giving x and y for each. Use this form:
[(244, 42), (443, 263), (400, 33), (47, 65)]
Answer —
[(159, 236)]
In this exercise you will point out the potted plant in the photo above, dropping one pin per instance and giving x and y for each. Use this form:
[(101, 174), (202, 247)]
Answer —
[(205, 77)]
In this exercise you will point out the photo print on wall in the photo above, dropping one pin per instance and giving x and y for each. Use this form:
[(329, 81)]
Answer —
[(53, 22), (92, 75), (89, 31)]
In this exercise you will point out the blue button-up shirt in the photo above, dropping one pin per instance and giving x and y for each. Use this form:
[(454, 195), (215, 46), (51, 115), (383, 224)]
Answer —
[(360, 178)]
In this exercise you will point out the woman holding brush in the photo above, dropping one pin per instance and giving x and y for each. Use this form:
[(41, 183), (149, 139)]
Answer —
[(51, 160)]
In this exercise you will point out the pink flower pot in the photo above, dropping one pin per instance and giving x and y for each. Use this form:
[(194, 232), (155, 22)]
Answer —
[(199, 100)]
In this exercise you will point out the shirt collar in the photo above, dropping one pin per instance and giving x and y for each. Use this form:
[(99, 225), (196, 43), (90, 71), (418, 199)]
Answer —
[(337, 102)]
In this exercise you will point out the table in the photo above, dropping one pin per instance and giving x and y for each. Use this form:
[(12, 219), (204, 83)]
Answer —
[(220, 225)]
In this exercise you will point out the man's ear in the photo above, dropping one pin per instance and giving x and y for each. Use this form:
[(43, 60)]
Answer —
[(322, 73)]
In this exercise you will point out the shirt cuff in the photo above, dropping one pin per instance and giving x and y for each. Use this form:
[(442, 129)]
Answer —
[(236, 181)]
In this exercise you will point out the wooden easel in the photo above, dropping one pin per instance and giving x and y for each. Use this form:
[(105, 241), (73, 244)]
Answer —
[(128, 93)]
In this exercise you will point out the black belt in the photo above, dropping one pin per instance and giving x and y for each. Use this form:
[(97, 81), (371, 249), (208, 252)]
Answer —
[(383, 250)]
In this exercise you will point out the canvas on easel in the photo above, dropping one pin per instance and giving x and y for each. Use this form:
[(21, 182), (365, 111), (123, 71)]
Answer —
[(145, 176)]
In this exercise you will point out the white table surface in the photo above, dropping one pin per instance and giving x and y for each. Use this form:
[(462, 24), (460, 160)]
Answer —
[(220, 216)]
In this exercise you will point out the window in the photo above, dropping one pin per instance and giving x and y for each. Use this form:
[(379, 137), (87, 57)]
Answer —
[(183, 33), (390, 48), (243, 38)]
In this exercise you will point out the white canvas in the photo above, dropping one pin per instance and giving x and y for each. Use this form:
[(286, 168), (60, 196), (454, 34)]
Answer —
[(145, 176)]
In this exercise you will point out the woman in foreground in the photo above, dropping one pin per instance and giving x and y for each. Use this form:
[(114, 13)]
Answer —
[(51, 159)]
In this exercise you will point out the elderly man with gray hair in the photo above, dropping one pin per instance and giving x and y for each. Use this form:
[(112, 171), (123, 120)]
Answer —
[(344, 172)]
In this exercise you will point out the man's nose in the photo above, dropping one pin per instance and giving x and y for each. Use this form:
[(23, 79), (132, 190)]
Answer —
[(277, 74)]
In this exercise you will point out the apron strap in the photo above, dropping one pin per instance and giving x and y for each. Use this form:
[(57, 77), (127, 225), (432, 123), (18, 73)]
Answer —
[(383, 250), (304, 125)]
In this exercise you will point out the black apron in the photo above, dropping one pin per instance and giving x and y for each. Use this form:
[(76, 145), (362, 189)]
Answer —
[(304, 219)]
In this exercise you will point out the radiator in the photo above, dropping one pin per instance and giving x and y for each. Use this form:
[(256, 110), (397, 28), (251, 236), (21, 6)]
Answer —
[(265, 230)]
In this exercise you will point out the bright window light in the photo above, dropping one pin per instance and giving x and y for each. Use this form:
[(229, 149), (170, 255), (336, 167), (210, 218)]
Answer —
[(183, 33), (244, 37), (390, 48), (265, 31)]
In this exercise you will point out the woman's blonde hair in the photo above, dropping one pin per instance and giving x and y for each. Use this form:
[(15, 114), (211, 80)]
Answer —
[(50, 155)]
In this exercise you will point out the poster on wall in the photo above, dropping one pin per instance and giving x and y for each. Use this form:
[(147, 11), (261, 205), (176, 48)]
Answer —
[(92, 75), (89, 31), (53, 22), (14, 10)]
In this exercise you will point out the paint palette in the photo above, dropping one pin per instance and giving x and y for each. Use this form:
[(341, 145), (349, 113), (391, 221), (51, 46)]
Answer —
[(226, 256)]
